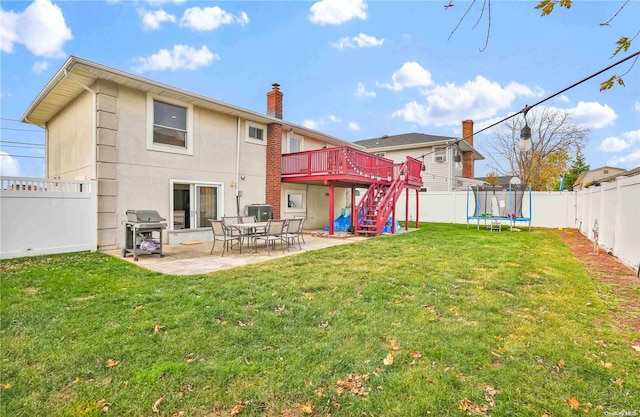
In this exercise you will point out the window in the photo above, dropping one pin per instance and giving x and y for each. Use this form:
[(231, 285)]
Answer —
[(194, 204), (296, 201), (440, 155), (256, 133), (295, 144), (169, 126)]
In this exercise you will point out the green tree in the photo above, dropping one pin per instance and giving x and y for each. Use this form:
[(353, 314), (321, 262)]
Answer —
[(578, 166)]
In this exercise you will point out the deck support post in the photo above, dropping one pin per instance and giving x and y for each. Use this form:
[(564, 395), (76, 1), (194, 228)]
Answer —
[(417, 209), (331, 207), (406, 210), (353, 206)]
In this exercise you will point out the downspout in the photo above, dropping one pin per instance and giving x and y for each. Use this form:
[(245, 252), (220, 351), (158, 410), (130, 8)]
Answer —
[(238, 167), (95, 123), (450, 163)]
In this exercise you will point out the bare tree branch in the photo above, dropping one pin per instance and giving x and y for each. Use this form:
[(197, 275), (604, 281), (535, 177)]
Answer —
[(461, 19)]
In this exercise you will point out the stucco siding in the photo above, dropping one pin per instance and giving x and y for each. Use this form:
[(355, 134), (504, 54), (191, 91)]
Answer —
[(70, 140)]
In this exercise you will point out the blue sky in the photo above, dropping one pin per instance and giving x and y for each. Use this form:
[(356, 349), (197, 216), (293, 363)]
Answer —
[(353, 69)]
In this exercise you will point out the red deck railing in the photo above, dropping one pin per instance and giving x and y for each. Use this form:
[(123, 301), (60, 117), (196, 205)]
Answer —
[(348, 161)]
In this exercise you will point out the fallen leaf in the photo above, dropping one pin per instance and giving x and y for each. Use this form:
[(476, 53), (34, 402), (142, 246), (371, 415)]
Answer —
[(393, 344), (636, 348), (5, 386), (111, 363), (323, 324), (190, 360), (415, 354), (466, 405), (607, 365), (561, 363), (489, 393), (573, 403), (155, 405), (158, 328), (306, 408), (354, 383), (235, 410), (397, 301), (618, 382), (138, 308), (388, 361), (279, 309)]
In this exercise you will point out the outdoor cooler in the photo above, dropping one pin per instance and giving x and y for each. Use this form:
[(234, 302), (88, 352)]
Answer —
[(139, 233)]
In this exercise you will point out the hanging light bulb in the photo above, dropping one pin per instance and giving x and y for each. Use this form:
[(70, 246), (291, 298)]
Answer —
[(525, 144)]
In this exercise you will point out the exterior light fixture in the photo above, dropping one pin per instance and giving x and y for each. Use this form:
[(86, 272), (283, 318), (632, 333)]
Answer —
[(423, 168), (457, 158), (525, 144)]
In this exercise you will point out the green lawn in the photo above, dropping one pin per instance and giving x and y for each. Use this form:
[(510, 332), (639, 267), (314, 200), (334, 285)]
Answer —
[(475, 323)]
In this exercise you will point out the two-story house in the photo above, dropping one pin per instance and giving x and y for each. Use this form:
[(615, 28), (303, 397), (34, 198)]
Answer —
[(448, 162), (193, 158)]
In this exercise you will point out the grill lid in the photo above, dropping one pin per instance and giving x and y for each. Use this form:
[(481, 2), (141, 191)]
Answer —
[(144, 216)]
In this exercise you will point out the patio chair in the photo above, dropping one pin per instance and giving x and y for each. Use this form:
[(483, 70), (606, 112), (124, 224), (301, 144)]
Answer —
[(273, 233), (301, 227), (229, 222), (222, 233), (293, 232)]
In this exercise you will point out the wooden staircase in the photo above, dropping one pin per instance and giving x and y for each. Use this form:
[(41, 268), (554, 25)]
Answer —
[(375, 207)]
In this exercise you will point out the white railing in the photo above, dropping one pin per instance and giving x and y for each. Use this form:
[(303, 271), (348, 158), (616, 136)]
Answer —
[(44, 185), (43, 217)]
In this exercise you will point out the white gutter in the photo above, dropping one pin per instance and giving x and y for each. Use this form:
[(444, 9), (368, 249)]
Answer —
[(95, 122), (238, 160)]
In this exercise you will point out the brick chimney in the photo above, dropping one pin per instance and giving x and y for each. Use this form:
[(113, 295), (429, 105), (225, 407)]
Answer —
[(467, 157), (274, 102), (273, 190)]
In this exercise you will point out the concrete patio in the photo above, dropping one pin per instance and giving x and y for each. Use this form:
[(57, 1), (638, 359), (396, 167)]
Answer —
[(194, 258)]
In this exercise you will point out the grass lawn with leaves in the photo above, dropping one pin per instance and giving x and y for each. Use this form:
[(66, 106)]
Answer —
[(444, 321)]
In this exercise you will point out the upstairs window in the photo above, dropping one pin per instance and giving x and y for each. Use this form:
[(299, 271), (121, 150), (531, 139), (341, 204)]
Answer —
[(256, 133), (169, 126), (295, 144)]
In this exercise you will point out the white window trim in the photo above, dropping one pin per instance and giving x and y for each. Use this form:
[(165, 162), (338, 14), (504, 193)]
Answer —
[(294, 136), (192, 184), (446, 156), (288, 209), (249, 124), (151, 145)]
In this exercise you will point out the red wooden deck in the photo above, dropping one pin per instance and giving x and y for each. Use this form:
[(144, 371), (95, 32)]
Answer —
[(346, 166)]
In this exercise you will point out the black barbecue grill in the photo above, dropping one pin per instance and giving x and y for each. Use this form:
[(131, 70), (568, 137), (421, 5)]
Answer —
[(139, 229)]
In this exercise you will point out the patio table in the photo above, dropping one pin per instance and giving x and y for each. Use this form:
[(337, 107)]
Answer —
[(251, 229)]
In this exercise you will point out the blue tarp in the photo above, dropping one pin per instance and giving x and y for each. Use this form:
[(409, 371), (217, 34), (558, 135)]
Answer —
[(342, 223)]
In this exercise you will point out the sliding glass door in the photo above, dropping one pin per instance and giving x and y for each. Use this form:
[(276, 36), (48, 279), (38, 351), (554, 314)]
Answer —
[(194, 203)]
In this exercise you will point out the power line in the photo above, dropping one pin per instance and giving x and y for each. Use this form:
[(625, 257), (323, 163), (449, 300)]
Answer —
[(22, 130), (10, 120), (22, 143), (22, 146), (24, 156)]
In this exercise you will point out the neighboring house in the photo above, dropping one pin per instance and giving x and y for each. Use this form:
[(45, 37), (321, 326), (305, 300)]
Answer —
[(442, 172), (502, 181), (191, 158), (587, 178), (629, 173)]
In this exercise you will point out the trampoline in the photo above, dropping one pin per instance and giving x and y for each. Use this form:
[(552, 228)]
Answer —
[(494, 205)]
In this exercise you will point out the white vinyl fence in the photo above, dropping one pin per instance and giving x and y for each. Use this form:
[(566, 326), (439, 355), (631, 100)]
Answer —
[(616, 205), (41, 217)]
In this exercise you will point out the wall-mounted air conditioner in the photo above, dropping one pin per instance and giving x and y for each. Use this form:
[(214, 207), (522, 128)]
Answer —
[(440, 159)]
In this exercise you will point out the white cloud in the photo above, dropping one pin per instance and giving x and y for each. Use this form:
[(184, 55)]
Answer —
[(9, 167), (181, 57), (632, 136), (360, 41), (448, 104), (636, 106), (40, 66), (593, 115), (41, 28), (613, 144), (631, 160), (310, 124), (563, 99), (354, 126), (334, 119), (411, 74), (151, 20), (362, 92), (210, 18), (335, 12)]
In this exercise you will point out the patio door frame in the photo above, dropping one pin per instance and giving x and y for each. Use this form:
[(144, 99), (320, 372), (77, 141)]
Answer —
[(194, 200)]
